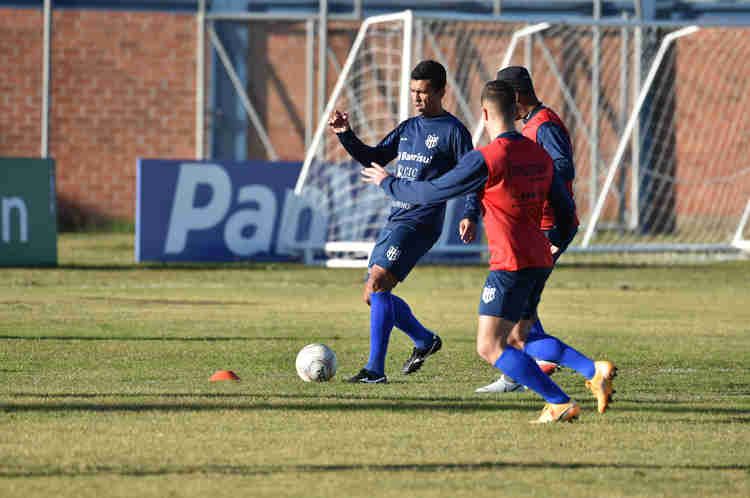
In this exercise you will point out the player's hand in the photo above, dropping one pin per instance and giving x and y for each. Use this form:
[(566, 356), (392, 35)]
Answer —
[(554, 249), (339, 122), (467, 230), (375, 174)]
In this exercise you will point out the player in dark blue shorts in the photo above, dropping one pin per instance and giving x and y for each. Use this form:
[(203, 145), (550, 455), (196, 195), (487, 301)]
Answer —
[(544, 127), (425, 147), (514, 178)]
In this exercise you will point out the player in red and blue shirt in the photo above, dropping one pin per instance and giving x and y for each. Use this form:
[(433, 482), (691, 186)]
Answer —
[(425, 147), (544, 127), (515, 180)]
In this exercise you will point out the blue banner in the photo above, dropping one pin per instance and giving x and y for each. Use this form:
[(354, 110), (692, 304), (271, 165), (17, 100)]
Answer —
[(219, 211)]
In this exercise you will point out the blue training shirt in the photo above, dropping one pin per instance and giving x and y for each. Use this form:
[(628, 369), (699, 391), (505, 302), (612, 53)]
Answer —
[(470, 175), (425, 148)]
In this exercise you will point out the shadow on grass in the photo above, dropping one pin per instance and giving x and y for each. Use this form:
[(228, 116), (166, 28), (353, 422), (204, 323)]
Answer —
[(153, 338), (229, 265), (396, 405), (253, 470), (334, 402)]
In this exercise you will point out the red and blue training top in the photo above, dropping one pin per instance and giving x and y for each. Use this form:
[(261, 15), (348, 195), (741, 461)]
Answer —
[(514, 177), (546, 128)]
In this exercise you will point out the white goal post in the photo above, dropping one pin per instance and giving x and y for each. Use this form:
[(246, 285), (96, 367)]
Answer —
[(652, 173)]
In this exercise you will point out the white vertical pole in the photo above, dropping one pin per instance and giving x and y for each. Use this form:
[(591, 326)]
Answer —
[(200, 79), (309, 80), (46, 63), (322, 63), (635, 144), (408, 40), (595, 93), (614, 165), (322, 55), (624, 46)]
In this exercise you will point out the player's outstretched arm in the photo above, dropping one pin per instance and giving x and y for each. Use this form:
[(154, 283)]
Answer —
[(469, 175), (467, 227), (382, 153)]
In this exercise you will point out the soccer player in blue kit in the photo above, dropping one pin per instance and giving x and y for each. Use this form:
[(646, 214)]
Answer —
[(515, 180), (545, 128), (425, 146)]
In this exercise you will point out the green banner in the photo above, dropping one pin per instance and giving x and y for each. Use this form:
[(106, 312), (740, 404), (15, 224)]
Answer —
[(28, 218)]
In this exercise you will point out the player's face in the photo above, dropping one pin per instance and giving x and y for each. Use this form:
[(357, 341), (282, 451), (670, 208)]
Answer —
[(426, 100)]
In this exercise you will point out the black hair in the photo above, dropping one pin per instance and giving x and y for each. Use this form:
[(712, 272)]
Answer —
[(518, 78), (502, 96), (432, 71)]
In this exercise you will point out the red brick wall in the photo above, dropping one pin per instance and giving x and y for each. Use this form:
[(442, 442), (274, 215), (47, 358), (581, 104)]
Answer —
[(277, 79), (122, 88), (20, 82)]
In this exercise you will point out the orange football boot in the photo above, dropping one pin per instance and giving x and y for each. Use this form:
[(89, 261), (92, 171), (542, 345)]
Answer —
[(563, 412), (601, 384)]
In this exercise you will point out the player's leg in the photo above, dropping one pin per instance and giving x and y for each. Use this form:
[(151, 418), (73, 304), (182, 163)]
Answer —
[(535, 342), (377, 294), (546, 347), (503, 299), (426, 342), (395, 254), (414, 244)]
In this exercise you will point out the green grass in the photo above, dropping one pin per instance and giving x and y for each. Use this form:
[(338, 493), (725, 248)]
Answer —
[(104, 388)]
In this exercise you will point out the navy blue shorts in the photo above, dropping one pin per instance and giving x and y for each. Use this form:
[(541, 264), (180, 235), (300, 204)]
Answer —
[(399, 247), (513, 295)]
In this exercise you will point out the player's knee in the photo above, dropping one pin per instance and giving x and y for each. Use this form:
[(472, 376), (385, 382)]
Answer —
[(488, 351), (380, 280)]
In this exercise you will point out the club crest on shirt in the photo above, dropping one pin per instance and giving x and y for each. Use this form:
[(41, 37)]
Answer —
[(432, 141), (488, 294), (393, 253)]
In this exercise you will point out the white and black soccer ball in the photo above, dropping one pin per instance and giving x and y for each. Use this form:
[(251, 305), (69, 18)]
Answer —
[(316, 363)]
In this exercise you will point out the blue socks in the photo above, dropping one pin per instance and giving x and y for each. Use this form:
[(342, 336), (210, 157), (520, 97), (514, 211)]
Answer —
[(549, 348), (381, 323), (524, 370), (405, 320)]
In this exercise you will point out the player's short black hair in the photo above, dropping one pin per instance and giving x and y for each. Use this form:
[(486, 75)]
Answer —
[(517, 77), (432, 71), (501, 95)]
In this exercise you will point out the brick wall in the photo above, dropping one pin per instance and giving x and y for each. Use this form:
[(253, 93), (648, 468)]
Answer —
[(122, 87), (20, 82)]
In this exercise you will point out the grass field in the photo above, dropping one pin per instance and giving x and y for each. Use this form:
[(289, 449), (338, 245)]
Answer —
[(104, 388)]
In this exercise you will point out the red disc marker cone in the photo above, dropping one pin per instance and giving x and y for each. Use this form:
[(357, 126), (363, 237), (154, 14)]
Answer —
[(224, 375)]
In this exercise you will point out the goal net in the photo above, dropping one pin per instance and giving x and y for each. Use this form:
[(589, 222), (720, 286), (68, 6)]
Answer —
[(373, 88), (655, 115)]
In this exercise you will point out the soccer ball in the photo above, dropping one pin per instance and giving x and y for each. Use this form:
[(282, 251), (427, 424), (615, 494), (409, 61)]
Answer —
[(316, 362)]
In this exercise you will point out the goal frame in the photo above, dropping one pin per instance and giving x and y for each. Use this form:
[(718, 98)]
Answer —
[(355, 250)]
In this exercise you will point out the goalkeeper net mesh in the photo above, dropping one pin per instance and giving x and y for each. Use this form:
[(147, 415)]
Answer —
[(661, 165)]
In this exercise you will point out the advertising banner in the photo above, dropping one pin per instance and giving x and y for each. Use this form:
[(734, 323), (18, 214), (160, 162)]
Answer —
[(220, 211), (217, 211), (28, 219)]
